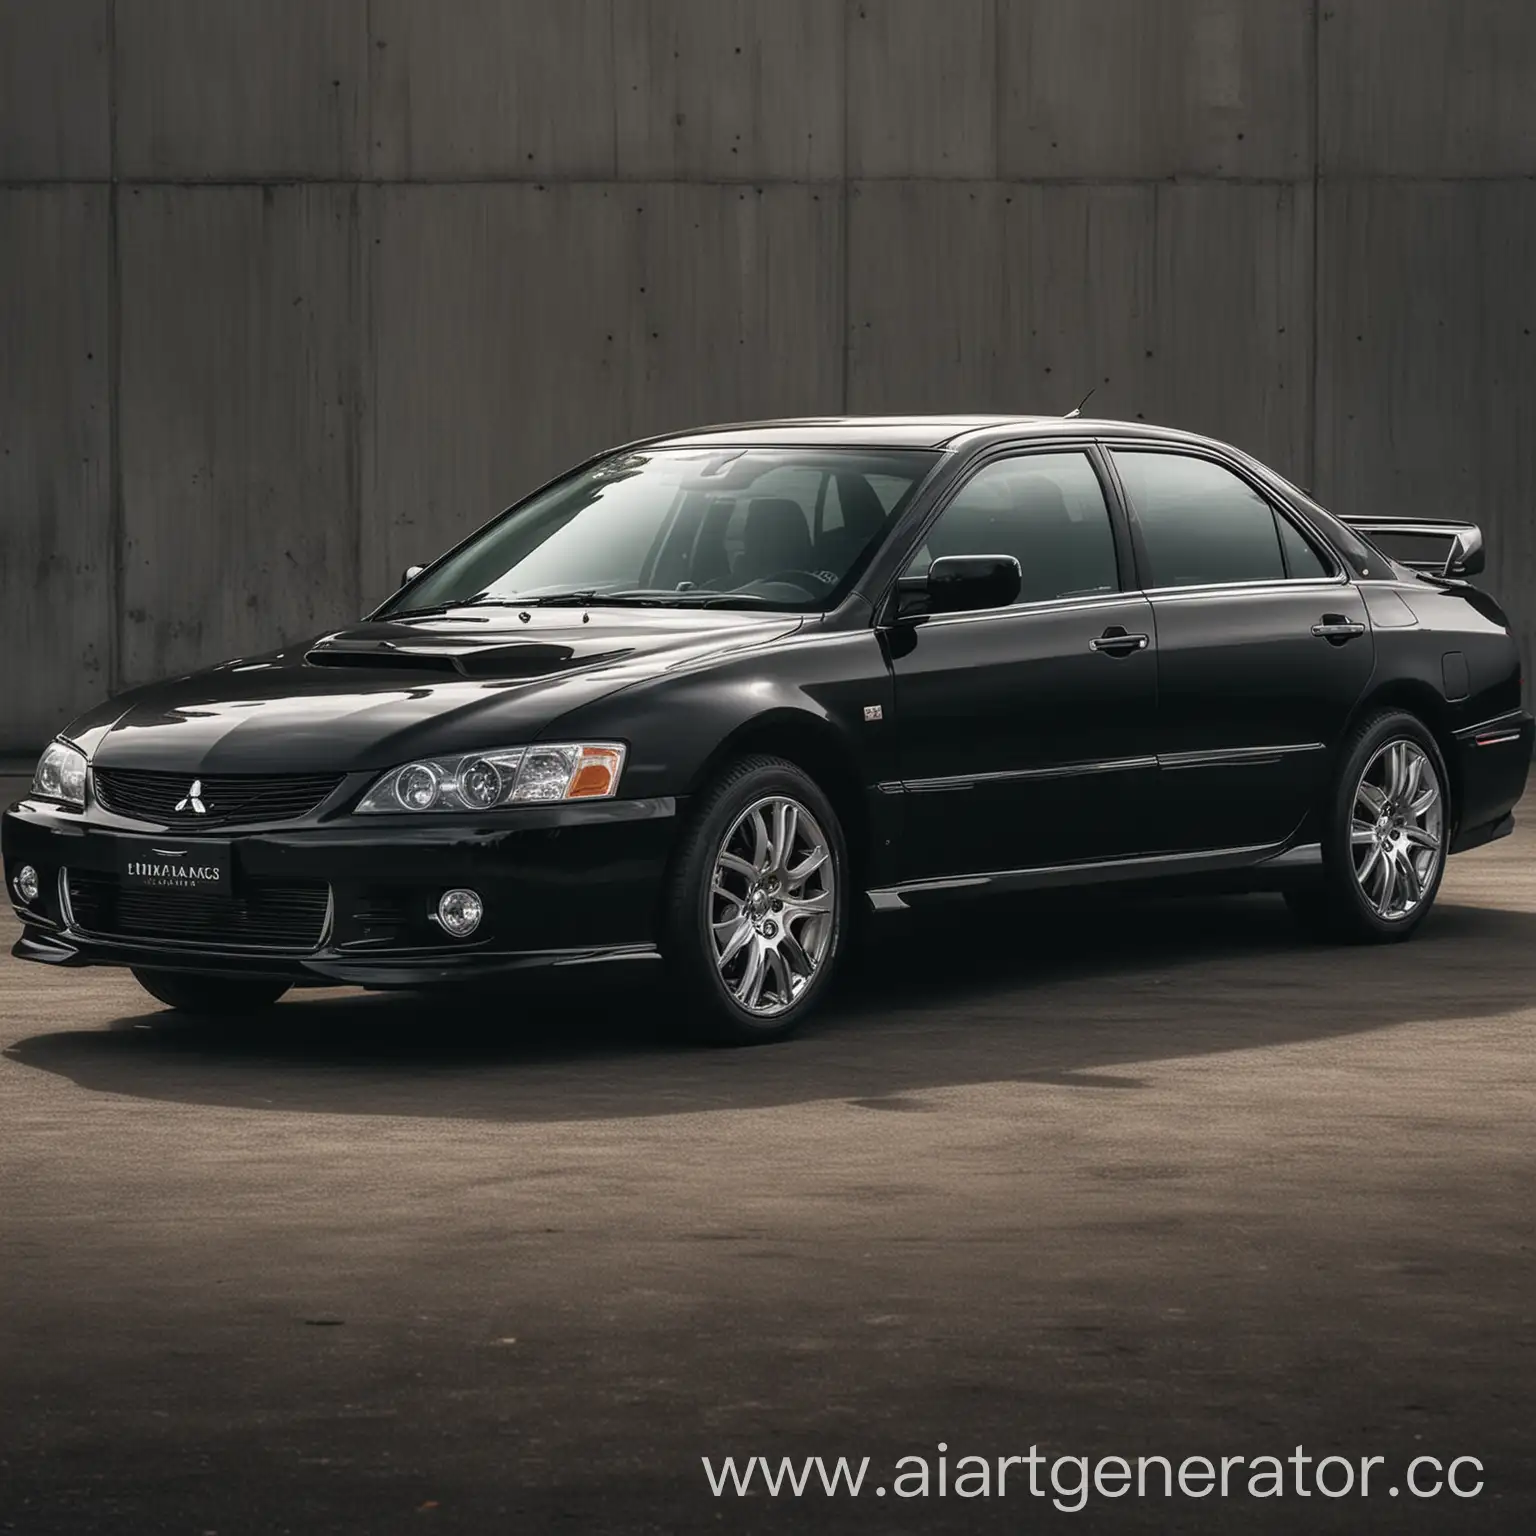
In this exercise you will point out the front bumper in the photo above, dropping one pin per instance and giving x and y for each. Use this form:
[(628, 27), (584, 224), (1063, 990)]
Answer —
[(562, 885)]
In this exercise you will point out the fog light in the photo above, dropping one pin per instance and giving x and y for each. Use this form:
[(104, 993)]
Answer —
[(27, 884), (460, 912)]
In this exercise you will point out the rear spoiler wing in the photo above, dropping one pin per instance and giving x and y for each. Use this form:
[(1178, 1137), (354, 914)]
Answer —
[(1437, 548)]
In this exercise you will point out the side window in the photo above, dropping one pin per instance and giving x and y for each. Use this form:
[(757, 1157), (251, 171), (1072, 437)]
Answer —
[(1200, 523), (1046, 510), (1301, 560)]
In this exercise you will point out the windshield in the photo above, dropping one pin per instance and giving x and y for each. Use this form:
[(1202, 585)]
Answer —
[(779, 528)]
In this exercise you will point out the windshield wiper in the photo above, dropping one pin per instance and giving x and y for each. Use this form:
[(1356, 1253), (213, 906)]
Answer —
[(438, 609), (593, 597), (661, 598), (553, 600)]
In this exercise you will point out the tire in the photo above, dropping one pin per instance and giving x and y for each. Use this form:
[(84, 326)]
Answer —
[(752, 953), (1378, 890), (210, 996)]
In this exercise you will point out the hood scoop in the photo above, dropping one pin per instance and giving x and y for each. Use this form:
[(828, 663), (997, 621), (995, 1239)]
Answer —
[(524, 659)]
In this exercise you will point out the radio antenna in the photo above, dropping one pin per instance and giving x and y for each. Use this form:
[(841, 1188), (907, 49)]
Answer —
[(1077, 410)]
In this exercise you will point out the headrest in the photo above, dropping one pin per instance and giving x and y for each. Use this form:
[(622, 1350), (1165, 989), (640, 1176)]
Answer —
[(776, 537)]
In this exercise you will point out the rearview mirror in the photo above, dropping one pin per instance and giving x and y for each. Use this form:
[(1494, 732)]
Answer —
[(410, 574), (963, 584)]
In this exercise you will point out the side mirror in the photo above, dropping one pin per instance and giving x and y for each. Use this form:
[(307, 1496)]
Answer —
[(410, 574), (962, 584)]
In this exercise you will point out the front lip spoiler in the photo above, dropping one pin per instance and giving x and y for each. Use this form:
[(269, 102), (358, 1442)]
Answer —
[(401, 970)]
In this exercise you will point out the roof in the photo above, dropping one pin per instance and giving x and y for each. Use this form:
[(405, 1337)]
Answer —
[(897, 431)]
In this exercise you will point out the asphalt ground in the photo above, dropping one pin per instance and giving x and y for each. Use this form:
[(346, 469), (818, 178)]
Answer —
[(1110, 1177)]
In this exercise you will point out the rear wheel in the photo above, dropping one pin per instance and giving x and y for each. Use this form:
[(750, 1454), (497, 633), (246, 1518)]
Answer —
[(211, 996), (1384, 835), (757, 905)]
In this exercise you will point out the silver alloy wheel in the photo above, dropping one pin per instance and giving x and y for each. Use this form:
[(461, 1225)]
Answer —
[(1397, 829), (772, 904)]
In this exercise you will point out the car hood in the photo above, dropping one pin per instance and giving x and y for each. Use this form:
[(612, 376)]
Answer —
[(382, 693)]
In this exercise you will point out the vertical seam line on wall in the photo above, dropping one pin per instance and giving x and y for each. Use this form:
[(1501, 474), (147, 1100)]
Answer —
[(998, 373), (358, 240), (116, 552), (370, 167), (1317, 212), (846, 233), (613, 81), (997, 90), (361, 275)]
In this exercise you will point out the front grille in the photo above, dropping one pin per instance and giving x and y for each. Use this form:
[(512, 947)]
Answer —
[(228, 799), (265, 914)]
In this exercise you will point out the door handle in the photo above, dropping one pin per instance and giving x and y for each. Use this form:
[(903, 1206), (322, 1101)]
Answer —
[(1336, 629), (1115, 642)]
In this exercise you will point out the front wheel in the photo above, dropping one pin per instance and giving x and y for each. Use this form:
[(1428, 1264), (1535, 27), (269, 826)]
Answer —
[(1385, 833), (211, 996), (757, 903)]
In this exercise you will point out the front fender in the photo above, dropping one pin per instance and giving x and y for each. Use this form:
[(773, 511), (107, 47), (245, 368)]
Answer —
[(834, 684)]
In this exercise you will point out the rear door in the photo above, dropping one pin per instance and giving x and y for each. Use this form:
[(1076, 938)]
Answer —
[(1026, 731), (1263, 645)]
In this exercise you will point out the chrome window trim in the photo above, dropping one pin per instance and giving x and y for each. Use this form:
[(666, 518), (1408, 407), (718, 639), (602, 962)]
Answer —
[(1129, 594), (1044, 605), (1150, 594), (1218, 588)]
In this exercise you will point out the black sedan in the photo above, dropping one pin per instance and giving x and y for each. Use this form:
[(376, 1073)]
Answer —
[(709, 699)]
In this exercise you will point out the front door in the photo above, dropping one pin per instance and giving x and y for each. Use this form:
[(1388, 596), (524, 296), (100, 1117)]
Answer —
[(1264, 649), (1027, 732)]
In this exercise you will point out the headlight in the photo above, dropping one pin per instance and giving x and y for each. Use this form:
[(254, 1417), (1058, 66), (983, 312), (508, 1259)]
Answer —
[(61, 775), (481, 781)]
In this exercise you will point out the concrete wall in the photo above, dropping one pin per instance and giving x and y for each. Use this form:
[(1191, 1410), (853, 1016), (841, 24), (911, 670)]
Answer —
[(295, 291)]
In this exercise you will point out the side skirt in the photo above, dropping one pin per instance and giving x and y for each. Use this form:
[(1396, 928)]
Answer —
[(1276, 857)]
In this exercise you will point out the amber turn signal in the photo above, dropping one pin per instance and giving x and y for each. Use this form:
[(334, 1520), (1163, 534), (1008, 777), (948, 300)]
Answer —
[(596, 774)]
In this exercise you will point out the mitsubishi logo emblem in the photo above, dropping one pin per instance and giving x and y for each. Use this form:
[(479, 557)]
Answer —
[(193, 800)]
